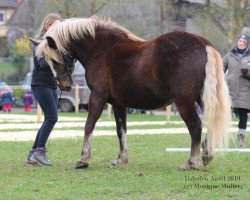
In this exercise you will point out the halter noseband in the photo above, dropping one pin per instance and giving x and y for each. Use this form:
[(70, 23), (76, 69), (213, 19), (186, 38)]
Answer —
[(68, 69)]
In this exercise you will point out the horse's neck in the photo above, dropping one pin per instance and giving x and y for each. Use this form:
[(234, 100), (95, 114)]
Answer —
[(102, 43), (91, 50)]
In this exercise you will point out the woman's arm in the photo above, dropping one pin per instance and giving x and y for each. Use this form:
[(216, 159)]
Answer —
[(42, 62)]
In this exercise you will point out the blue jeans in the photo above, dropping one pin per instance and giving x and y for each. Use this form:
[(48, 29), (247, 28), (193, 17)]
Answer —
[(48, 100)]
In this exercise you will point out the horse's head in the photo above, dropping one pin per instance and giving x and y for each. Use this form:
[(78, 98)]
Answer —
[(61, 64)]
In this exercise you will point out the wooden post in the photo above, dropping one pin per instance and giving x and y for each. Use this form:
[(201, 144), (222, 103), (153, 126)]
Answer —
[(39, 113), (76, 98), (168, 113), (109, 110)]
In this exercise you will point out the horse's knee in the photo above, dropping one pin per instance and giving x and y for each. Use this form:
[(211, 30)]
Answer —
[(89, 127)]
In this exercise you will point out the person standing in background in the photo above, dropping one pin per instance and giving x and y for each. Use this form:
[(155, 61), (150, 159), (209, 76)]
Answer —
[(27, 100), (239, 85), (6, 100)]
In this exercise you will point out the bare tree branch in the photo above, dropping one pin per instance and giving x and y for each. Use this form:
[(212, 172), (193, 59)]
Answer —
[(207, 9)]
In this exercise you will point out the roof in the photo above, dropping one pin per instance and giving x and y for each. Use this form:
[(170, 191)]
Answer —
[(8, 3)]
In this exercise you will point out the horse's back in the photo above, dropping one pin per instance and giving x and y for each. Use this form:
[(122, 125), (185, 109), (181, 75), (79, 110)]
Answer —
[(160, 71), (182, 58)]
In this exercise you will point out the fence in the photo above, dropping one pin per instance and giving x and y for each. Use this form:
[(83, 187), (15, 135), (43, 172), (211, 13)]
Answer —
[(76, 89)]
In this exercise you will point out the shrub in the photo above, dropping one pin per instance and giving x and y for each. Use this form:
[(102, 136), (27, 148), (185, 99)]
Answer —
[(18, 94)]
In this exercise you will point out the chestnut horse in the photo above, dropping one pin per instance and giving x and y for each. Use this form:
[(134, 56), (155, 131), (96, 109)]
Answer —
[(127, 71)]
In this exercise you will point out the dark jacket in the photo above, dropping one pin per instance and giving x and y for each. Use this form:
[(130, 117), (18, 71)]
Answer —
[(239, 87), (42, 74), (6, 98)]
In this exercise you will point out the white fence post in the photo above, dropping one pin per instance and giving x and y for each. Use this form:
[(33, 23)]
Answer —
[(168, 113), (109, 110), (39, 113), (76, 98)]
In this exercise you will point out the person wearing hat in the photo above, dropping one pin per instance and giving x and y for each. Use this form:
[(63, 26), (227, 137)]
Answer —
[(238, 84)]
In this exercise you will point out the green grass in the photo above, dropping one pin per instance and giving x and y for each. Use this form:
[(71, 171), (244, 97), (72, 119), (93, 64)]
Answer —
[(9, 74), (152, 173), (6, 68)]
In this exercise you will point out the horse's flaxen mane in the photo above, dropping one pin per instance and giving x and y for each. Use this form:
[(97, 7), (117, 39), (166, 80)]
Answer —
[(78, 28)]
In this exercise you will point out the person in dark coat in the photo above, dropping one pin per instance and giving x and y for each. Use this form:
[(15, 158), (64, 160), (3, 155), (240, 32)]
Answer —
[(27, 100), (239, 85), (6, 100), (44, 89)]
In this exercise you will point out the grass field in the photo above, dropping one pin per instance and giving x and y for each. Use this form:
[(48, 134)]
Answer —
[(152, 173), (6, 68)]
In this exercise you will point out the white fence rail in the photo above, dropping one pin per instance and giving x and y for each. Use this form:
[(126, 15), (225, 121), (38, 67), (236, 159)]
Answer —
[(77, 88)]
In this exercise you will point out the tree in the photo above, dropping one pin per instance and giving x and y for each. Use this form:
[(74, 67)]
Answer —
[(68, 8), (96, 6), (230, 18), (73, 8), (20, 53)]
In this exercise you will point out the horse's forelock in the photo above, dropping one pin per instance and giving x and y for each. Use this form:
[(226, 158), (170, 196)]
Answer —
[(43, 50), (74, 28)]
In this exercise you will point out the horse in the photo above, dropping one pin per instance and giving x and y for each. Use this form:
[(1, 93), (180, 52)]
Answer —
[(128, 71)]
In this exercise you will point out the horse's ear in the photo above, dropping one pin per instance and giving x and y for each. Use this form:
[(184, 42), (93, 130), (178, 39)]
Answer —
[(35, 41), (51, 42)]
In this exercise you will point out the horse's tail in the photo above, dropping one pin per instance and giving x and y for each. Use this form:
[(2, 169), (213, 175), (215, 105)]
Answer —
[(217, 104)]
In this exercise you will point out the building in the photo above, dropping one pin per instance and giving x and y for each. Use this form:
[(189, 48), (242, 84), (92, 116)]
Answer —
[(7, 9)]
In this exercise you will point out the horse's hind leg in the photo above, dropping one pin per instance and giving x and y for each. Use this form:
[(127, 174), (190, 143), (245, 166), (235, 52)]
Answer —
[(206, 156), (193, 122), (96, 105), (120, 118)]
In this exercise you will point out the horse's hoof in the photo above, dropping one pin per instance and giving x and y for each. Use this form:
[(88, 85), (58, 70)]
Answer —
[(81, 164), (207, 159), (189, 166), (119, 162)]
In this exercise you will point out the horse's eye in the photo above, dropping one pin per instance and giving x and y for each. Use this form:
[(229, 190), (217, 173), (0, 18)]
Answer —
[(54, 61)]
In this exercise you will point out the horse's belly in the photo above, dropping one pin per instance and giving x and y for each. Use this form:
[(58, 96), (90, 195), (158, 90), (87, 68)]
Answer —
[(149, 104), (142, 100)]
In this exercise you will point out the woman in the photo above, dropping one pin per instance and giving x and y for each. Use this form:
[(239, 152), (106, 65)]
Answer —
[(44, 89), (239, 85)]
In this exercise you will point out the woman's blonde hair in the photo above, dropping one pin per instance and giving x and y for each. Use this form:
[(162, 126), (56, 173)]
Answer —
[(48, 20)]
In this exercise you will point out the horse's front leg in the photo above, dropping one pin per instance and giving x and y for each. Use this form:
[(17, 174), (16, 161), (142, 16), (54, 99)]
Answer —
[(96, 105), (193, 122), (120, 118)]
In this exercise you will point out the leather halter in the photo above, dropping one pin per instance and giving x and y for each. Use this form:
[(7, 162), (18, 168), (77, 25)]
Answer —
[(68, 70)]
